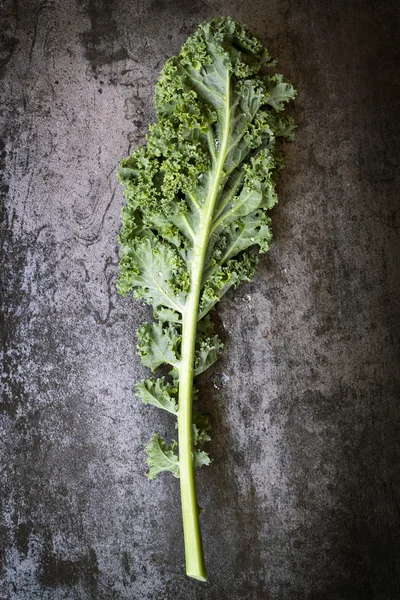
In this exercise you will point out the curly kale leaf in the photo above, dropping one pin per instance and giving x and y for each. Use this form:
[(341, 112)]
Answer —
[(161, 457), (158, 393), (198, 196)]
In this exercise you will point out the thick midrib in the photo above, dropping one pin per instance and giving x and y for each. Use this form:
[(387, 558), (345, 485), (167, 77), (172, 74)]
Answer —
[(193, 545)]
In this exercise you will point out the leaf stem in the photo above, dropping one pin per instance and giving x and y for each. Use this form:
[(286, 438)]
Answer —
[(195, 566)]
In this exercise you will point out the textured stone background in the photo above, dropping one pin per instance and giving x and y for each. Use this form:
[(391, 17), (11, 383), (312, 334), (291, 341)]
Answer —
[(302, 498)]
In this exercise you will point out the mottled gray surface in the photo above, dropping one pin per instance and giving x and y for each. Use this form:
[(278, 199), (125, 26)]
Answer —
[(302, 498)]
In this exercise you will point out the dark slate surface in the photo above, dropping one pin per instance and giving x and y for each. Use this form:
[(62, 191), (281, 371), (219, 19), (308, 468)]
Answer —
[(302, 498)]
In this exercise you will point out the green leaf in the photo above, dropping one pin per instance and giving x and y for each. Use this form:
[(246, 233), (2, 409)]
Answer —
[(280, 92), (207, 351), (158, 393), (220, 279), (167, 314), (156, 271), (158, 344), (201, 426), (161, 457), (201, 458)]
